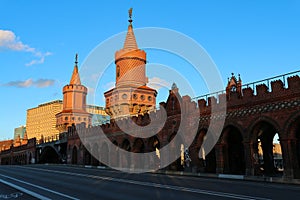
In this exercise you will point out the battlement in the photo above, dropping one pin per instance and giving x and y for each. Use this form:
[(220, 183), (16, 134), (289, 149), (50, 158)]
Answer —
[(279, 87), (74, 88)]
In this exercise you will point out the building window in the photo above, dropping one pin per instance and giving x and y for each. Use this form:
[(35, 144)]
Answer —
[(73, 118), (118, 71), (149, 98), (66, 118), (134, 96), (79, 118), (124, 96), (142, 97)]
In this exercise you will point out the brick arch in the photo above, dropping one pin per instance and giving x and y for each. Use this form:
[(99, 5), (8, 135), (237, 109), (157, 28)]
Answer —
[(104, 153), (252, 137), (95, 154), (233, 149), (74, 155), (86, 154), (124, 144), (114, 154), (138, 145), (224, 135), (269, 128)]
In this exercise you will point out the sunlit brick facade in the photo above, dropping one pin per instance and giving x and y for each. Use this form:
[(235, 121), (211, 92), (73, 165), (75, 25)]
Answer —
[(131, 96)]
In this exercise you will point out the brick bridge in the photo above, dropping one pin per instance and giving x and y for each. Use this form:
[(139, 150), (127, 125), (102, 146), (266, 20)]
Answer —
[(255, 113)]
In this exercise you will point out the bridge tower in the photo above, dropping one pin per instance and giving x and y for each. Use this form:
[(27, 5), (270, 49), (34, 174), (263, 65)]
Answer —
[(74, 103), (131, 95)]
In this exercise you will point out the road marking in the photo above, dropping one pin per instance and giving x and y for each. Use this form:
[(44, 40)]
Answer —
[(36, 195), (39, 187), (156, 185)]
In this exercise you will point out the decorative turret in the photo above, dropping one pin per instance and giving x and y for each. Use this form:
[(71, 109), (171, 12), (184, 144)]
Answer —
[(234, 86), (131, 96), (74, 103), (130, 61)]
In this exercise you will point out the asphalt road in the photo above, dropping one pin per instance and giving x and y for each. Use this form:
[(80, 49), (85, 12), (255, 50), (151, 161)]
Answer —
[(69, 182)]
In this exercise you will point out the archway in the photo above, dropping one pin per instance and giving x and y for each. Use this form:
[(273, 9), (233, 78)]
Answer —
[(177, 165), (207, 161), (153, 145), (49, 155), (293, 131), (104, 154), (87, 156), (138, 147), (125, 161), (114, 159), (95, 155), (263, 135), (234, 156), (74, 155)]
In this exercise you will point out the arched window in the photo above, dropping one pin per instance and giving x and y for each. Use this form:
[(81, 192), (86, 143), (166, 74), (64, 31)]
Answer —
[(118, 71)]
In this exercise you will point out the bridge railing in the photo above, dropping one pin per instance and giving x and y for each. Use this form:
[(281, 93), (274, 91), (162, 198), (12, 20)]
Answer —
[(253, 85)]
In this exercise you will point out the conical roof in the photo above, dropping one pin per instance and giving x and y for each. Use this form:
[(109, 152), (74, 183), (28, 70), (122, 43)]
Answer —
[(130, 41), (75, 79)]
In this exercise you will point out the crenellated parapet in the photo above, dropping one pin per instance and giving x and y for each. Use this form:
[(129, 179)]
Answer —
[(260, 94)]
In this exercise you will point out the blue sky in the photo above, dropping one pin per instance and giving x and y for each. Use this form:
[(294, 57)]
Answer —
[(39, 39)]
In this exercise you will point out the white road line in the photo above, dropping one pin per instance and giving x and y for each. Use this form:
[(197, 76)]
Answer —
[(40, 187), (157, 185), (36, 195)]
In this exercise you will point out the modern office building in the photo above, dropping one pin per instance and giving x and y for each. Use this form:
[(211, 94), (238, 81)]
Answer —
[(19, 132)]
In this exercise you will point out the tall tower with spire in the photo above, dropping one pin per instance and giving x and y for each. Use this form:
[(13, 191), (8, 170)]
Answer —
[(74, 103), (131, 95)]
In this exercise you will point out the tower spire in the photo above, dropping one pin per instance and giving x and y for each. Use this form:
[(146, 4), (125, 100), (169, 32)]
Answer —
[(75, 79)]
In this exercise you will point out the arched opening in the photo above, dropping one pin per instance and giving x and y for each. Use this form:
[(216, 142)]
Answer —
[(87, 155), (114, 160), (154, 145), (175, 148), (125, 161), (210, 162), (95, 155), (205, 161), (74, 155), (294, 146), (49, 155), (138, 147), (234, 155), (30, 158), (104, 154), (264, 133)]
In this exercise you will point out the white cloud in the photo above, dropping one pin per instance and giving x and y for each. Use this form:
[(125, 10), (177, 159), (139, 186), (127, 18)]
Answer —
[(41, 59), (157, 83), (8, 40), (40, 83)]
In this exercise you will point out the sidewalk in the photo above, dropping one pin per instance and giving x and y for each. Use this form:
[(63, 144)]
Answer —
[(234, 177), (281, 180)]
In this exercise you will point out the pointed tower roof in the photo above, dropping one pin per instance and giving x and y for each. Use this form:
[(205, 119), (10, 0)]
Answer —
[(75, 80), (130, 41)]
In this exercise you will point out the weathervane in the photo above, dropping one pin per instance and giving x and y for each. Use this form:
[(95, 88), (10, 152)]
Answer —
[(76, 58), (130, 15)]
